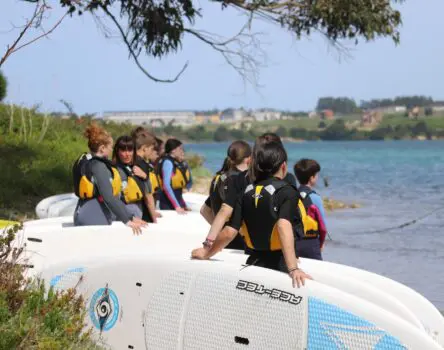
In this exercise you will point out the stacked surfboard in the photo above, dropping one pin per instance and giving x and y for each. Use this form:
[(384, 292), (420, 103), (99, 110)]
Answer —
[(65, 204), (145, 292)]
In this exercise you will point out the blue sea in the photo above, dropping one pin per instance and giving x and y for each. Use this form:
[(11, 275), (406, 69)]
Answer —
[(395, 182)]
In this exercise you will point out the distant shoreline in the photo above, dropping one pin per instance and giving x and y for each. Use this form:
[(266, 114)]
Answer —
[(290, 140)]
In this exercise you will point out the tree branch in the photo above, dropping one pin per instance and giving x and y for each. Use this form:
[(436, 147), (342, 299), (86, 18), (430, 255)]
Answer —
[(133, 54), (36, 21), (244, 62), (45, 34)]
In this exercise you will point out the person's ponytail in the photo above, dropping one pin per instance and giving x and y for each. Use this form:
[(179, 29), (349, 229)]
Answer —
[(225, 166)]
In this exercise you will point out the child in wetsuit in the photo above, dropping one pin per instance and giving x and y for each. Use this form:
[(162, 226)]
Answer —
[(312, 244)]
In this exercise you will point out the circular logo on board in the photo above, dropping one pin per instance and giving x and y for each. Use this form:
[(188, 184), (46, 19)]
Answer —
[(104, 309)]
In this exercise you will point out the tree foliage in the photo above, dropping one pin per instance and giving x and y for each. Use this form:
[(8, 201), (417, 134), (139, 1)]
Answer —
[(3, 86), (342, 105), (158, 28), (406, 101)]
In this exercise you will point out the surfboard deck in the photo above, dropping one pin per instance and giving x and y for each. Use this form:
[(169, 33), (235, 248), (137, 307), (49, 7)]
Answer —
[(165, 302), (71, 242), (65, 204)]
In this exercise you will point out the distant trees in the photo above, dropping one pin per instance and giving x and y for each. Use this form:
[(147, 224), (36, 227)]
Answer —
[(407, 101), (336, 131), (3, 86), (341, 105), (221, 134), (281, 131)]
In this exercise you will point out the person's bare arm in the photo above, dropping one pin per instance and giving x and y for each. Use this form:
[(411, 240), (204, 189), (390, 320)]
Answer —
[(219, 221), (222, 240), (149, 202), (207, 213), (286, 238)]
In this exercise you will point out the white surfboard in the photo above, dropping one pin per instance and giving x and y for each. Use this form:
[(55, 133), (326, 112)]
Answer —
[(43, 207), (189, 231), (71, 242), (65, 204), (157, 302)]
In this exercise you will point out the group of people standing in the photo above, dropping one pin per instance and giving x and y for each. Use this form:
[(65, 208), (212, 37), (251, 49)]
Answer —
[(123, 182), (255, 205)]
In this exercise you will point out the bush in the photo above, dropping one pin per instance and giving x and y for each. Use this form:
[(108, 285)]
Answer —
[(3, 86), (336, 131), (281, 131), (221, 134), (32, 317)]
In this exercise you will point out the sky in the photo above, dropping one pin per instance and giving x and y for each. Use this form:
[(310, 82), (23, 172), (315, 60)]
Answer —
[(78, 64)]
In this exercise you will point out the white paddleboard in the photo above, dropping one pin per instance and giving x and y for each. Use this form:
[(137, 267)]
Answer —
[(65, 204), (71, 242), (140, 302)]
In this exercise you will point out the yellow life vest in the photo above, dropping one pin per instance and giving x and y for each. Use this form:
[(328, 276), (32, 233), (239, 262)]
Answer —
[(133, 189), (83, 179), (154, 180), (181, 173)]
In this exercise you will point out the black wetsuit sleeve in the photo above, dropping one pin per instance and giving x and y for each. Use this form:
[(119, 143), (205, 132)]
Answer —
[(101, 176), (232, 191), (288, 205), (236, 218)]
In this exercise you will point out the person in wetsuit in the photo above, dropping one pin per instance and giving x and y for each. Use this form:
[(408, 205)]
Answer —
[(266, 215), (97, 184), (312, 244), (224, 192), (174, 175), (134, 188)]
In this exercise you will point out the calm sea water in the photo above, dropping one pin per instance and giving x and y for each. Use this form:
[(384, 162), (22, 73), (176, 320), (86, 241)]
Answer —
[(395, 182)]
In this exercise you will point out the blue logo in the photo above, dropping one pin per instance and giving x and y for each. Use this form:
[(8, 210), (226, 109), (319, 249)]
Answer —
[(67, 276), (330, 327), (104, 309)]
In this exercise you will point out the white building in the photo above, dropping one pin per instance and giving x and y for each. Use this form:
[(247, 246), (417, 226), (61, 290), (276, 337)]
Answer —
[(266, 114), (153, 118), (233, 115)]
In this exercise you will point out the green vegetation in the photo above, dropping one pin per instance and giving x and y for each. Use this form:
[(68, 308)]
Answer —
[(347, 106), (342, 105), (3, 86), (32, 317), (36, 155), (392, 127)]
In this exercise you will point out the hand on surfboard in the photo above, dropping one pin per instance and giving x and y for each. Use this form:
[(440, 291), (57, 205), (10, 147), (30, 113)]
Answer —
[(298, 277), (181, 211), (199, 254), (136, 225)]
